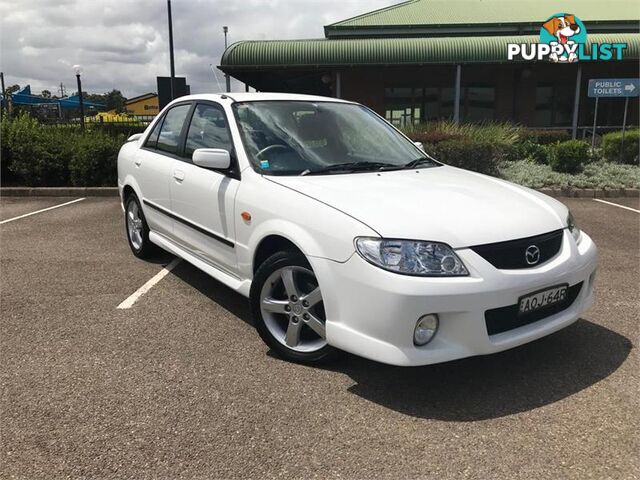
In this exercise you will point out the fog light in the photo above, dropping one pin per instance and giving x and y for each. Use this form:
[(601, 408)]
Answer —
[(426, 328)]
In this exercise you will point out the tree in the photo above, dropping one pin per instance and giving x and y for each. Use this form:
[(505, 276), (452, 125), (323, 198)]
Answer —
[(115, 101), (46, 93), (112, 100), (13, 89)]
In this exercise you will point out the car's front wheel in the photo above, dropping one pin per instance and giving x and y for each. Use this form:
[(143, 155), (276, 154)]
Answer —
[(288, 309)]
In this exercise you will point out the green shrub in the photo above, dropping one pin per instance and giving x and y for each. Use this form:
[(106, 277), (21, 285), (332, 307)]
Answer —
[(95, 160), (502, 137), (493, 132), (431, 136), (39, 155), (529, 150), (611, 143), (5, 152), (57, 155), (545, 137), (479, 156), (569, 156), (499, 134)]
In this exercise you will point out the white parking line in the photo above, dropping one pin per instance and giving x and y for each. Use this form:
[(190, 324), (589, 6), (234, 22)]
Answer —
[(617, 205), (40, 211), (133, 298)]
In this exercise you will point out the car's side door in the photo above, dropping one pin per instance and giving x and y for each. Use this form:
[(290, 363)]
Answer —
[(153, 167), (203, 199)]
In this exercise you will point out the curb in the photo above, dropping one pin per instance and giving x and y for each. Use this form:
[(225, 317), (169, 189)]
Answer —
[(113, 192), (59, 192)]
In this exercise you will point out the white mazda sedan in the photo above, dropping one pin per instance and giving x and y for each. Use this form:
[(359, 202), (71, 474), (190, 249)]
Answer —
[(346, 236)]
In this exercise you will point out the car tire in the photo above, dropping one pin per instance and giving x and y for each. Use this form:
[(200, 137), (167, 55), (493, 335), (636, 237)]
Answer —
[(268, 291), (137, 229)]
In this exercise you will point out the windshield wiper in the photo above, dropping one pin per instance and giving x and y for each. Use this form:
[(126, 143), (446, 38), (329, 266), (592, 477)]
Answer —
[(353, 167), (421, 161)]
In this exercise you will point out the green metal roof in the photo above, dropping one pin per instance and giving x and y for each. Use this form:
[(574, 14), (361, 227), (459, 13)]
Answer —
[(389, 51), (456, 12)]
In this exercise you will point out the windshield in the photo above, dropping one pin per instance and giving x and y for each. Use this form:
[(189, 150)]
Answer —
[(301, 138)]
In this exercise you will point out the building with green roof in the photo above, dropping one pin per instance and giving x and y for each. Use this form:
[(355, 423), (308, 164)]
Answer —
[(424, 60)]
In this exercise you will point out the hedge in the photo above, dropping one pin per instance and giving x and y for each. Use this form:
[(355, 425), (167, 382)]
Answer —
[(41, 155), (612, 143), (569, 156), (545, 137), (479, 156)]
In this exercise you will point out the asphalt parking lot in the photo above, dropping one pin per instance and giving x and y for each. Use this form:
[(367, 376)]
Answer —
[(181, 386)]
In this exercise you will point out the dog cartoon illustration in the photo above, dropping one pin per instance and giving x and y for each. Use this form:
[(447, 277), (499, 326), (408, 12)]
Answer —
[(562, 27)]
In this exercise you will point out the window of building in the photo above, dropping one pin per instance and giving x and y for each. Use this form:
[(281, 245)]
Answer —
[(403, 106), (208, 129), (406, 106), (479, 104), (554, 105)]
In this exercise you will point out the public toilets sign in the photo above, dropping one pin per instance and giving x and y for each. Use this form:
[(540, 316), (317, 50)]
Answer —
[(614, 87)]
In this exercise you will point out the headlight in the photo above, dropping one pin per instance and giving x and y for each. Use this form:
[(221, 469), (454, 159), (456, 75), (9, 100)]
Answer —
[(411, 257), (573, 228)]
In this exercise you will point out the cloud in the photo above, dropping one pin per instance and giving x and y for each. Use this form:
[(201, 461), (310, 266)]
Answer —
[(123, 44)]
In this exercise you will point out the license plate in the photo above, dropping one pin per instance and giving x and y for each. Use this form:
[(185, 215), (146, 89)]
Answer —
[(542, 299)]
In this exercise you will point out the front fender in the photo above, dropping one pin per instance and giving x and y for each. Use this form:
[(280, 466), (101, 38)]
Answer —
[(317, 229)]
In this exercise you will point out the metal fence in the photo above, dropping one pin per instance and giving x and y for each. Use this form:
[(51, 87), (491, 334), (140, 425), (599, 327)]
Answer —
[(127, 126)]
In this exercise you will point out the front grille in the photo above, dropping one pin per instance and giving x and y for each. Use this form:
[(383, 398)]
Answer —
[(503, 319), (511, 255)]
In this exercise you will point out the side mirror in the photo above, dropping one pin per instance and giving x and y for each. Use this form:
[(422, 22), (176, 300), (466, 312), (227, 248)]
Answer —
[(419, 145), (216, 158), (134, 137)]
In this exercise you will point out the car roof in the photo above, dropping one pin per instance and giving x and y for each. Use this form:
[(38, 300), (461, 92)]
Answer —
[(258, 96)]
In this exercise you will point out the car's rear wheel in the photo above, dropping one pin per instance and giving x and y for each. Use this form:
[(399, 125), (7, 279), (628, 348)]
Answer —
[(137, 229), (288, 309)]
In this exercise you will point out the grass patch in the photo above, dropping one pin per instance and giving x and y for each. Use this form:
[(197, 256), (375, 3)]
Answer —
[(599, 175)]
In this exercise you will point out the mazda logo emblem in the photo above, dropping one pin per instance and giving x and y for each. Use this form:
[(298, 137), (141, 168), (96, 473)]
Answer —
[(532, 254)]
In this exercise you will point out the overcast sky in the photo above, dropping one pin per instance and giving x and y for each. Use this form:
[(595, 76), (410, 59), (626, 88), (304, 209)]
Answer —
[(123, 44)]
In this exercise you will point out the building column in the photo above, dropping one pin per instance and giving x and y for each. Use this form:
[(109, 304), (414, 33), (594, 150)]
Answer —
[(338, 91), (576, 103), (456, 102)]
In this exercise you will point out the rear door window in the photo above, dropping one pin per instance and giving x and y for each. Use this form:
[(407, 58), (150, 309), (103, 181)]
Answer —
[(169, 139), (152, 139)]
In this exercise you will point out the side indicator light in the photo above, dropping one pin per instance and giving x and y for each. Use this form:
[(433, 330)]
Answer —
[(246, 216)]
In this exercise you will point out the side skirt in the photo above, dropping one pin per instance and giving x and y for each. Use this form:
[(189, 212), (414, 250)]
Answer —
[(243, 287)]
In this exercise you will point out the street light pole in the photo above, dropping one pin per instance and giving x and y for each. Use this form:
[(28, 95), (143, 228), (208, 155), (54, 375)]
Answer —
[(227, 79), (4, 96), (80, 100), (173, 68)]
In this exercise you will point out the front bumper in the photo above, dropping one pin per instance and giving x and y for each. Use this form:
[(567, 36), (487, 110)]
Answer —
[(372, 312)]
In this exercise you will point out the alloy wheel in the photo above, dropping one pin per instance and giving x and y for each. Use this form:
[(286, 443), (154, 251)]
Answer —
[(134, 225), (292, 309)]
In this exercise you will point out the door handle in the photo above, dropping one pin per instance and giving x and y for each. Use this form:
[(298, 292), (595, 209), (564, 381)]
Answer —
[(178, 175)]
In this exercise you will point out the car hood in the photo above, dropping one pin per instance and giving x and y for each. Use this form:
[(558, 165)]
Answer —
[(445, 204)]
